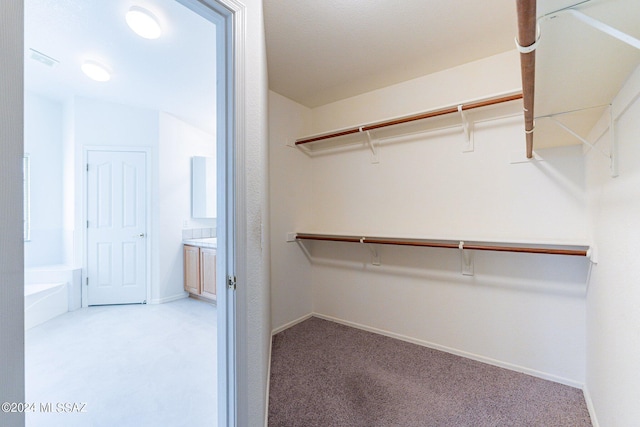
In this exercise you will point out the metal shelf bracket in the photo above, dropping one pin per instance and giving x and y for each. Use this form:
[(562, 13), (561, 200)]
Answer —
[(607, 29), (466, 129), (375, 157), (375, 255), (592, 22), (611, 155), (466, 260)]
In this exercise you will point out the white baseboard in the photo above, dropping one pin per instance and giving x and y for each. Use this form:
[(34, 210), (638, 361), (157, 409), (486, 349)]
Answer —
[(590, 407), (290, 324), (168, 299), (266, 406), (479, 358)]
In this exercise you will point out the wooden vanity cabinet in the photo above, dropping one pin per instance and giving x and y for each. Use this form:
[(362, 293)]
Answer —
[(200, 271), (191, 265), (208, 273)]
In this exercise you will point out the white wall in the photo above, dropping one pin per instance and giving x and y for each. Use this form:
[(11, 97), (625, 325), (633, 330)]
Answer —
[(526, 312), (43, 142), (11, 241), (69, 191), (291, 210), (109, 124), (426, 186), (613, 317), (254, 317), (179, 142), (463, 83)]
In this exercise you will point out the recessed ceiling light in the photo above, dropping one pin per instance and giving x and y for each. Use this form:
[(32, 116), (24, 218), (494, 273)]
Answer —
[(96, 71), (143, 23)]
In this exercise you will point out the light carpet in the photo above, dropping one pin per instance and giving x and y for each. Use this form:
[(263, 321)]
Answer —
[(326, 374)]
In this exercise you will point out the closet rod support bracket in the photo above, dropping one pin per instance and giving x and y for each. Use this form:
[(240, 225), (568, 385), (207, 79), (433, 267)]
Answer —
[(611, 155), (466, 128), (375, 255), (375, 157), (466, 260)]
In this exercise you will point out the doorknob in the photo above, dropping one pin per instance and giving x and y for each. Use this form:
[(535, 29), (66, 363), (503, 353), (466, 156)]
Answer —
[(140, 235)]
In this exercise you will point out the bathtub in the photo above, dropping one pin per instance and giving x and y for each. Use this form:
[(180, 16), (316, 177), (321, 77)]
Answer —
[(49, 292), (44, 301)]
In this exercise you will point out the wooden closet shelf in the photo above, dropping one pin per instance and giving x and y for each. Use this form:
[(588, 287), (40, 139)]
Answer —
[(573, 250), (408, 119)]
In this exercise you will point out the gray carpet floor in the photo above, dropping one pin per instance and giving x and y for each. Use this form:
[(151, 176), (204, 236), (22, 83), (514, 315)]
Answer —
[(327, 374)]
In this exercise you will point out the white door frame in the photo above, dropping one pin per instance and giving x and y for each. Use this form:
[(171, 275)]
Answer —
[(85, 237), (229, 17)]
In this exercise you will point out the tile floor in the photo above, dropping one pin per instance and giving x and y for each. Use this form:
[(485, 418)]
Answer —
[(131, 365)]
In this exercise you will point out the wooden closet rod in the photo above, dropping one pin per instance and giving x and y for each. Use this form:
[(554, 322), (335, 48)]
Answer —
[(526, 45), (407, 119), (551, 250)]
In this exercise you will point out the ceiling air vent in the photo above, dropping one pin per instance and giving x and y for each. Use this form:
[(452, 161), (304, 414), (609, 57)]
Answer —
[(42, 58)]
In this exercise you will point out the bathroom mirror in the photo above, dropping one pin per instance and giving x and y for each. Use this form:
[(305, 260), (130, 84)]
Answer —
[(203, 187)]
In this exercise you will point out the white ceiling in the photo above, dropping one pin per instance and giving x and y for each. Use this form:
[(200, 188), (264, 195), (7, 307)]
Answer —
[(323, 51), (175, 73)]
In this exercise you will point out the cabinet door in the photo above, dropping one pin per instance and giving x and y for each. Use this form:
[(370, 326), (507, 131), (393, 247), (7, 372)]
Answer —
[(208, 272), (191, 265)]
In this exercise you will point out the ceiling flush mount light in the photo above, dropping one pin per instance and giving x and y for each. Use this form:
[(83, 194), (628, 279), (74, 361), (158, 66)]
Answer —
[(143, 23), (96, 71)]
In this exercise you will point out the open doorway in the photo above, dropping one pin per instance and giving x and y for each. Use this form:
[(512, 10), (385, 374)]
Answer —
[(175, 100)]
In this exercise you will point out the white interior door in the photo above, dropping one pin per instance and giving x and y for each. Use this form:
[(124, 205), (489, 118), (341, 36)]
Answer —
[(116, 227)]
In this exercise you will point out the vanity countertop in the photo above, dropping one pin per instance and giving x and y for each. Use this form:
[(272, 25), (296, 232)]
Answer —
[(204, 242)]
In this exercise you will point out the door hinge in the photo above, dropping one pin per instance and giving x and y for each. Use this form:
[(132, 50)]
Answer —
[(231, 282), (87, 281), (87, 167)]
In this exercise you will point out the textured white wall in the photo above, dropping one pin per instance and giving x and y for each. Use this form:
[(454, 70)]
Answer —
[(613, 317), (43, 141), (11, 244), (254, 317), (291, 210)]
